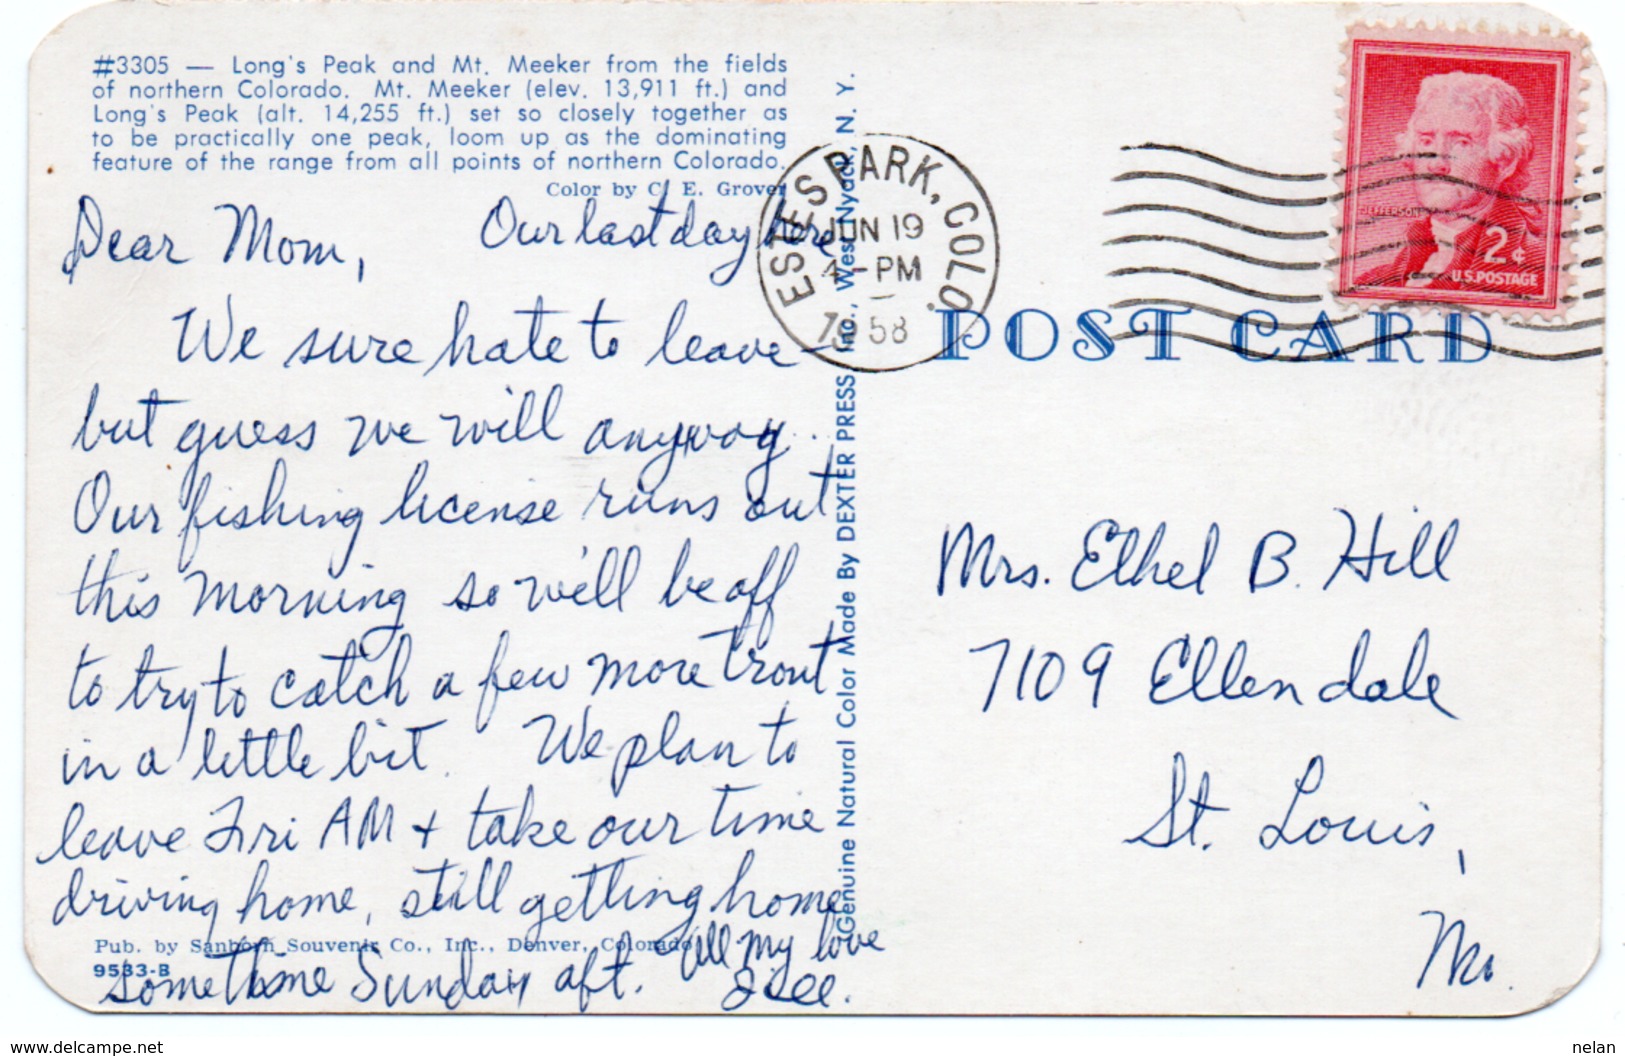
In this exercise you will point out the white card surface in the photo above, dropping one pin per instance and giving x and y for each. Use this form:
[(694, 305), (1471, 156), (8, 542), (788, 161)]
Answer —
[(815, 508)]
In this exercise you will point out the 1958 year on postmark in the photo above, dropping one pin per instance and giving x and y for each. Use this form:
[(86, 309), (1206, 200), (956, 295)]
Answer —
[(1459, 156), (864, 241)]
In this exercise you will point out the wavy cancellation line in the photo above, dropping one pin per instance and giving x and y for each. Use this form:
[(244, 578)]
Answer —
[(1230, 317), (1531, 327), (1279, 265), (1311, 177), (1382, 249), (1560, 328), (1581, 197), (1233, 192), (1285, 298), (1349, 350), (1223, 221), (1388, 247), (1294, 177), (1223, 284), (1337, 196)]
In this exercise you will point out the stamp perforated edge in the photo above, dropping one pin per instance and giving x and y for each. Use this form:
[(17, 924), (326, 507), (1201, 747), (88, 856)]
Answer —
[(1583, 75)]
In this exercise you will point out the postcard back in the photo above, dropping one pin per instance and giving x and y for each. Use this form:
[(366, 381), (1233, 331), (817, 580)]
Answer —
[(814, 508)]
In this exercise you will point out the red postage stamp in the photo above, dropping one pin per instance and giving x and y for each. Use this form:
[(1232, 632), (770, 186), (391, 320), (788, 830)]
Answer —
[(1460, 151)]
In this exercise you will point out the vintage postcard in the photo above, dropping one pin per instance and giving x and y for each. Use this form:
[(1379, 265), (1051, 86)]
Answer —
[(814, 508)]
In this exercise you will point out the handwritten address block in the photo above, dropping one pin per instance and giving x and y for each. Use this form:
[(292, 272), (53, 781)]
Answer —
[(827, 508)]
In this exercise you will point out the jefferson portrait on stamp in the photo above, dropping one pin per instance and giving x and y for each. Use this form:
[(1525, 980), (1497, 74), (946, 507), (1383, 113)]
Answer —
[(1468, 145), (1457, 157)]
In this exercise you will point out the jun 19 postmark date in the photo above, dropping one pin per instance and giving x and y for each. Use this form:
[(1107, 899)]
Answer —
[(1459, 156), (865, 241)]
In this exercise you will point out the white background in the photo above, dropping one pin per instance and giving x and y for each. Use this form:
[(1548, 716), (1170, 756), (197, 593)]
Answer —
[(1595, 1011)]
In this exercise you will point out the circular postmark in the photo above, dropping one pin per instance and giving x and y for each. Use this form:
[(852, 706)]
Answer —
[(865, 243)]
